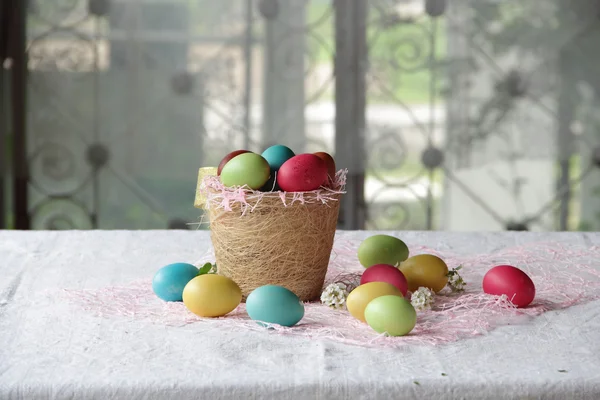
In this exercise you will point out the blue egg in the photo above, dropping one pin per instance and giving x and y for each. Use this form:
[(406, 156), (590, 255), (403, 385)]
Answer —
[(274, 305), (277, 155), (169, 281)]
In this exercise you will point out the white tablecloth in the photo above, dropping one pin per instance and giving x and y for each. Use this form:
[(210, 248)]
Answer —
[(49, 350)]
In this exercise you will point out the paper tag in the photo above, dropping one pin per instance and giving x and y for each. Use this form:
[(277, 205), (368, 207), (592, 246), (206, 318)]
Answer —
[(200, 201)]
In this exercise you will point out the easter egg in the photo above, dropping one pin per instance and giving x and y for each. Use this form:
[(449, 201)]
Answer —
[(385, 273), (330, 163), (382, 249), (425, 270), (211, 295), (393, 315), (277, 155), (246, 169), (169, 281), (511, 281), (361, 296), (274, 305), (302, 173), (228, 157)]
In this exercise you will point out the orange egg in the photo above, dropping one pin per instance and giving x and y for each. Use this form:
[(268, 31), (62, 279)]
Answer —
[(330, 162)]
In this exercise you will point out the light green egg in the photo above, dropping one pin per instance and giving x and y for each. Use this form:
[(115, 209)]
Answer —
[(246, 169), (389, 314), (382, 249)]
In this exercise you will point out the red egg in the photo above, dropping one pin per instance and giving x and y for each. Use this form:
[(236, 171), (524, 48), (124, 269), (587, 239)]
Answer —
[(228, 157), (511, 281), (302, 173), (330, 162), (385, 273)]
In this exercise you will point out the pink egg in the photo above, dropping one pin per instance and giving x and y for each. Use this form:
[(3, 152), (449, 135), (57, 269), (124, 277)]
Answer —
[(302, 173), (385, 273), (511, 281)]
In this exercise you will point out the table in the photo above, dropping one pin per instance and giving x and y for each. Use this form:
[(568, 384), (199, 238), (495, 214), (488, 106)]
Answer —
[(49, 350)]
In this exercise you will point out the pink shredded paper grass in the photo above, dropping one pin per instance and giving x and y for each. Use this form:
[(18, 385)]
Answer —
[(224, 197), (564, 276)]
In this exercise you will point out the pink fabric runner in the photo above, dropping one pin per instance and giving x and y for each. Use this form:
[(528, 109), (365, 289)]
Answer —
[(564, 276)]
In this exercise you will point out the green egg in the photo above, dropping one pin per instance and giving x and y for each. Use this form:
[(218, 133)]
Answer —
[(390, 314), (382, 249), (246, 169)]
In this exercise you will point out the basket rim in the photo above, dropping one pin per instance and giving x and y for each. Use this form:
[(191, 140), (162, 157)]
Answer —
[(221, 196)]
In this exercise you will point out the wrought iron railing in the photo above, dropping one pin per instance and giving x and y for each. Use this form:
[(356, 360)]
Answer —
[(455, 115)]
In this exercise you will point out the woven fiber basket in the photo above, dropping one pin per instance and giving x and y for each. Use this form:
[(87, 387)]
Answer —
[(273, 238)]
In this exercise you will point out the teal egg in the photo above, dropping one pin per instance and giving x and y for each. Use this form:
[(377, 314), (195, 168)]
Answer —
[(168, 283), (277, 155), (248, 169), (274, 305)]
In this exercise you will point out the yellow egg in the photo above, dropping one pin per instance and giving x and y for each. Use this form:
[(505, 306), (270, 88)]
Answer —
[(211, 295), (425, 270), (360, 297)]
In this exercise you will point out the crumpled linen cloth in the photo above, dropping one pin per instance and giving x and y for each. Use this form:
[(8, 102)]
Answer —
[(51, 350)]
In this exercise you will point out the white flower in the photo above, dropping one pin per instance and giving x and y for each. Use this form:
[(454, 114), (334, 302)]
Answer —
[(455, 281), (422, 299), (334, 296)]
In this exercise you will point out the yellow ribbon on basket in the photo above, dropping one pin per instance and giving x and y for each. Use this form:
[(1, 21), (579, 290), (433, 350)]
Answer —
[(200, 200)]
